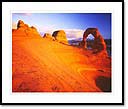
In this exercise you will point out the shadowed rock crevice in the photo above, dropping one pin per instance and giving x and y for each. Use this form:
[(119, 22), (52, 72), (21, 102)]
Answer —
[(104, 83)]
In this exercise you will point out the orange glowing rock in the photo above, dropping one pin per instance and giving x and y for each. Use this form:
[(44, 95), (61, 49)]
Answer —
[(60, 36), (48, 36), (24, 30), (20, 24), (40, 65)]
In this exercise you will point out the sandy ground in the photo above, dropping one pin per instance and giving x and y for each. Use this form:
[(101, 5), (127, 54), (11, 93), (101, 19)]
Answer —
[(42, 65)]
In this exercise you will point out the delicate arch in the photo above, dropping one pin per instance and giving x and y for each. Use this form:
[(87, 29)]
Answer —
[(99, 42)]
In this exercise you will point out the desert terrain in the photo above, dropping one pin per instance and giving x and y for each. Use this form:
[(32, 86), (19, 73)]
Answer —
[(45, 65)]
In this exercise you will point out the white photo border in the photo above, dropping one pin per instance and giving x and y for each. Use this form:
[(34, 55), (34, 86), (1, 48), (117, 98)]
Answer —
[(115, 8)]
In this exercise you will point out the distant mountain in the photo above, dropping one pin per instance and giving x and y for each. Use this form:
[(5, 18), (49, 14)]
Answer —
[(90, 42), (75, 41)]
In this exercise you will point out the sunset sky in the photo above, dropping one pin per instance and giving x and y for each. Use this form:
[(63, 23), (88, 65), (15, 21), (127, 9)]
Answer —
[(74, 24)]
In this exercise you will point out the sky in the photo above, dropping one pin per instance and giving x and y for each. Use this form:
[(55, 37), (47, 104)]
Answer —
[(74, 24)]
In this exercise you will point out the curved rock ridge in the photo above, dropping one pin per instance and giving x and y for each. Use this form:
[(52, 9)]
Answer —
[(24, 30), (60, 36), (99, 43)]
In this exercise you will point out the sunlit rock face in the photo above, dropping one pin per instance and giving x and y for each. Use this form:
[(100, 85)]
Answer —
[(24, 30), (60, 36), (40, 65), (33, 29), (48, 36), (99, 43)]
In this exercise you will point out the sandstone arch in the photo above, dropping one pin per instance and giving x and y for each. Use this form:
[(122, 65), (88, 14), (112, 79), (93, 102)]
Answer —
[(99, 43)]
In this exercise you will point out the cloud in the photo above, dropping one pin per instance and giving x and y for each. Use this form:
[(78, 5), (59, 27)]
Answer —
[(71, 33), (74, 33), (27, 14), (23, 14), (14, 25)]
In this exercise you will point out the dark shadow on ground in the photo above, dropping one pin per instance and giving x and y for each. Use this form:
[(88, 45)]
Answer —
[(104, 83)]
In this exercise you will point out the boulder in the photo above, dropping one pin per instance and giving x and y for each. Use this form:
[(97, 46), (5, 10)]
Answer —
[(60, 36), (33, 28), (48, 36)]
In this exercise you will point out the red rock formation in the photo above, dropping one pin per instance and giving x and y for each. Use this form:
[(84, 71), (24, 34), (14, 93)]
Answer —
[(48, 36), (99, 43), (60, 36), (24, 30), (20, 24), (32, 28), (40, 65)]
